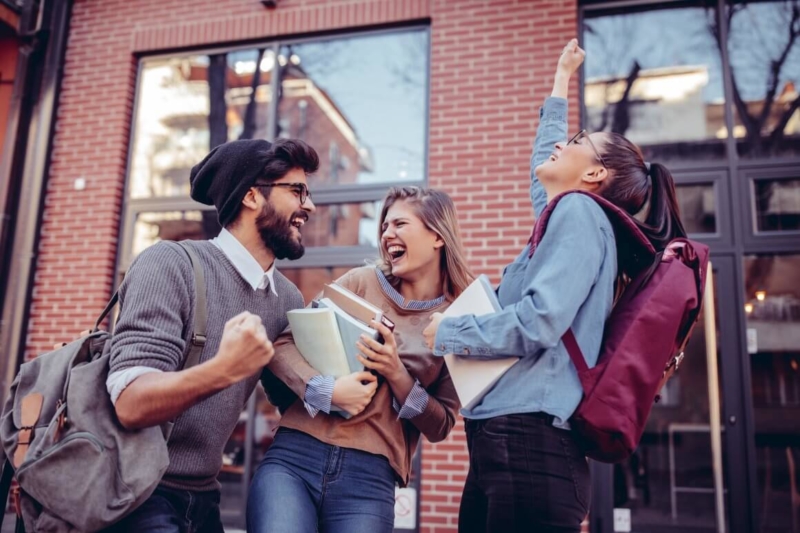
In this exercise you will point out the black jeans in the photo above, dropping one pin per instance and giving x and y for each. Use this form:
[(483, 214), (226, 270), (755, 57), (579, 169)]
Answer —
[(174, 511), (524, 476)]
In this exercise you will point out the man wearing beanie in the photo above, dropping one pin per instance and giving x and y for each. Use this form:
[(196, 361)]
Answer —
[(260, 193)]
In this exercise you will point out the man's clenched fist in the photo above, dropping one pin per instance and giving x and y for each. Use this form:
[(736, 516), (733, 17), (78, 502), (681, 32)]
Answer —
[(245, 348)]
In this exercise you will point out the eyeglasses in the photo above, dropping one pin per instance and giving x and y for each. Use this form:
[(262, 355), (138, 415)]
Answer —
[(300, 189), (583, 135)]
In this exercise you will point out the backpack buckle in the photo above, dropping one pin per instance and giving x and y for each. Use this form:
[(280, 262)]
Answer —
[(198, 340)]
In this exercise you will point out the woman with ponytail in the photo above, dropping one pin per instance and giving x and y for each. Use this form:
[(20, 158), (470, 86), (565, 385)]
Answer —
[(527, 472)]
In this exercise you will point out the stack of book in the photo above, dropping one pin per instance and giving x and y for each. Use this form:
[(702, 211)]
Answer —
[(326, 333)]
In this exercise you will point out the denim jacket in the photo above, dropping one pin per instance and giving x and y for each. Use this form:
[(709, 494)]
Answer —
[(568, 283)]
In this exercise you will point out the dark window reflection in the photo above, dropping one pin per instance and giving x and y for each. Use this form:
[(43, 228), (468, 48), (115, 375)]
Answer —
[(655, 77), (343, 225), (764, 48), (777, 205), (361, 102), (698, 207), (310, 281), (772, 308)]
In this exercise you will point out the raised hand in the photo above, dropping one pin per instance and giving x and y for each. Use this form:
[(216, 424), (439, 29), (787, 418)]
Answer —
[(571, 58)]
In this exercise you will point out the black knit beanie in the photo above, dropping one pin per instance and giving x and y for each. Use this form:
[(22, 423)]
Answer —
[(223, 177)]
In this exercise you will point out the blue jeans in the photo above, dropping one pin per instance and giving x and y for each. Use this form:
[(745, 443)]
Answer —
[(304, 486), (174, 511)]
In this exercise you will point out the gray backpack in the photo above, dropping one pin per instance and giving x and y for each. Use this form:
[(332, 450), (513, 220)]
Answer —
[(76, 467)]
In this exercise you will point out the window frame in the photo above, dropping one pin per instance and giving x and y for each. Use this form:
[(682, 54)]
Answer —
[(323, 195), (761, 242)]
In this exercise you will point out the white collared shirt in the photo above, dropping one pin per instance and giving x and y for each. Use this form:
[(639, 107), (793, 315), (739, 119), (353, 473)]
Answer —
[(244, 263)]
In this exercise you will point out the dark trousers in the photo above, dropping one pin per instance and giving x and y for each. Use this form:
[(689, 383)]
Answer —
[(174, 511), (524, 476)]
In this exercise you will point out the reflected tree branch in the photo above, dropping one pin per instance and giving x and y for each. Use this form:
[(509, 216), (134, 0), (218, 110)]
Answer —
[(249, 128), (622, 109), (777, 133), (755, 125), (217, 124), (776, 66)]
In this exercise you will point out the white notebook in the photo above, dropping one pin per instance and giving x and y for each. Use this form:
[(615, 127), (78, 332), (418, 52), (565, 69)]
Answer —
[(350, 330), (473, 378), (316, 334)]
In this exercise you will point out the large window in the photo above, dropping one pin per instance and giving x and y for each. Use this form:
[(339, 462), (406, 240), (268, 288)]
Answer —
[(360, 101), (654, 75)]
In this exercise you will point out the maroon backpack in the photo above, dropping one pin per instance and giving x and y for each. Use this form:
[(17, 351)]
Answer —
[(644, 337)]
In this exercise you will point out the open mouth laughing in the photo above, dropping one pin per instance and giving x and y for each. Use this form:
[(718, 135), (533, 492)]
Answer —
[(396, 252)]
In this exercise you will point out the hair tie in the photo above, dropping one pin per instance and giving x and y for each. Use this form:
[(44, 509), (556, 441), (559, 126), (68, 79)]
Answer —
[(647, 167)]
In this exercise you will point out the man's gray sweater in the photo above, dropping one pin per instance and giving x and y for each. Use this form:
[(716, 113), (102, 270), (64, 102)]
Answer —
[(155, 324)]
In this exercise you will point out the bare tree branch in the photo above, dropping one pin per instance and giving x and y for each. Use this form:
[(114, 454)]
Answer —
[(622, 111), (752, 129), (777, 133), (776, 66), (217, 124), (249, 128)]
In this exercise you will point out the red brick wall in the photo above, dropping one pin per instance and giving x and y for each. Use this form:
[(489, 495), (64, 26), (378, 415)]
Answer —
[(491, 65)]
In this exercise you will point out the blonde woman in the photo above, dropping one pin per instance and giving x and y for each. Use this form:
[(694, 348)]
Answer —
[(334, 475)]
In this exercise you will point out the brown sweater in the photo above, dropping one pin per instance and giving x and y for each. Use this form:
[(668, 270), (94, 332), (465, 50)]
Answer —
[(377, 429)]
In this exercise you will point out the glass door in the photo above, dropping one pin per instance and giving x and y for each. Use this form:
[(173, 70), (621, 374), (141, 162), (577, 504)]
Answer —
[(675, 480), (772, 311)]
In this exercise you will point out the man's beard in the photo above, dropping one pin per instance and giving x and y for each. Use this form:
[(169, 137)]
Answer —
[(276, 233)]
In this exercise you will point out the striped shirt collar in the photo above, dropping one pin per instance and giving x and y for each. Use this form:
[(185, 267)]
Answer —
[(416, 305)]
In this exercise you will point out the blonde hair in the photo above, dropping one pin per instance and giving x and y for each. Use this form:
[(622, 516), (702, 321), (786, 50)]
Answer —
[(437, 212)]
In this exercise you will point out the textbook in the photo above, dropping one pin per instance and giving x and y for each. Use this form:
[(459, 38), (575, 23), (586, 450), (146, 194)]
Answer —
[(326, 337), (350, 330), (316, 334), (473, 378), (355, 305)]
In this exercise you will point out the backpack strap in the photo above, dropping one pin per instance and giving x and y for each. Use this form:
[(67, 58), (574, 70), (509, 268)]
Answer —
[(634, 250), (198, 340), (574, 351)]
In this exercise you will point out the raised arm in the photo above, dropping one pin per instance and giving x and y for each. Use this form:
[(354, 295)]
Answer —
[(553, 119)]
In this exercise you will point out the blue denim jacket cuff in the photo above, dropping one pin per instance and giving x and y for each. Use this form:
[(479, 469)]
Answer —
[(554, 108), (446, 331)]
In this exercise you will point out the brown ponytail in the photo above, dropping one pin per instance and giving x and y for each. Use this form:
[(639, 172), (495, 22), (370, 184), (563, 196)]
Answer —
[(663, 222), (633, 184)]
